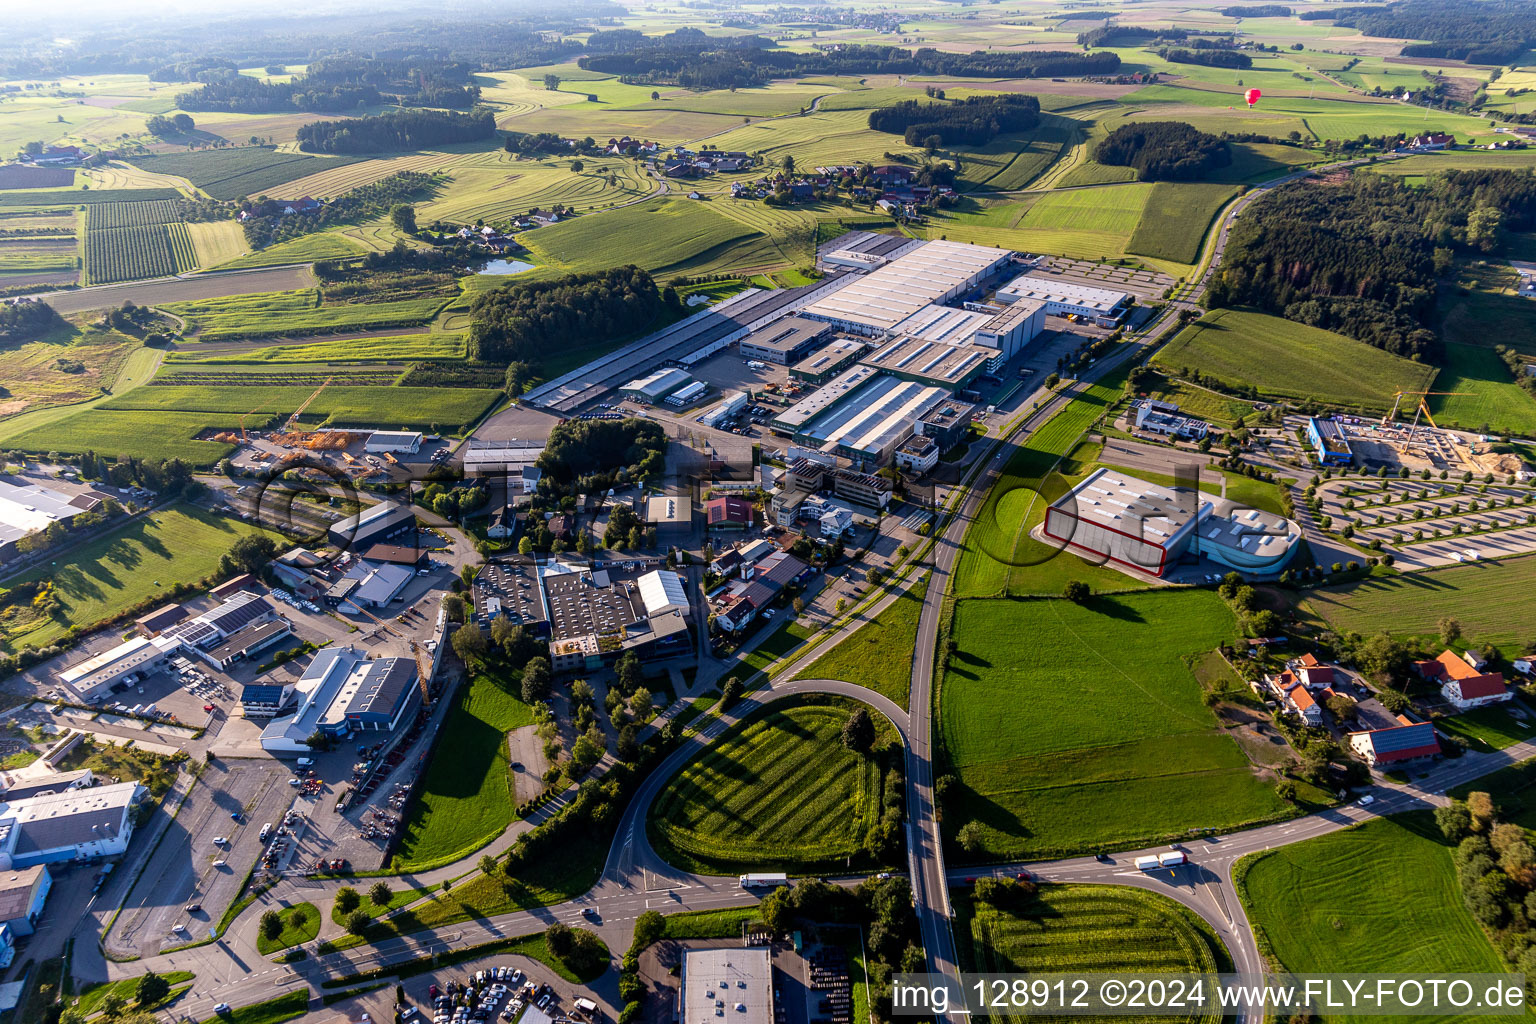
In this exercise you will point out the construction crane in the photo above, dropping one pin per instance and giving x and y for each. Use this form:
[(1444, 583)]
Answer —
[(313, 395), (1422, 410), (242, 422)]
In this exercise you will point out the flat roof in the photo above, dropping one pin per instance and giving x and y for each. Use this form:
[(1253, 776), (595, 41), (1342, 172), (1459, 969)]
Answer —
[(949, 324), (947, 414), (830, 354), (1146, 511), (395, 437), (884, 298), (512, 452), (572, 390), (1044, 290), (872, 242), (727, 986), (824, 397), (583, 602), (250, 637), (27, 508), (873, 419), (931, 360), (787, 334), (1251, 533), (659, 383), (510, 588)]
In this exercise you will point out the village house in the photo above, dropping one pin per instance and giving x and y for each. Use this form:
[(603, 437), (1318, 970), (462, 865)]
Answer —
[(1406, 741), (1464, 685)]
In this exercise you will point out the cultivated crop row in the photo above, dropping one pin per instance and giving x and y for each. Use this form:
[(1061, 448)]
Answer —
[(132, 215), (127, 254)]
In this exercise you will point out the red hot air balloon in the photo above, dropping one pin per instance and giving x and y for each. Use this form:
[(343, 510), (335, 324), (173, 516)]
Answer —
[(1252, 96)]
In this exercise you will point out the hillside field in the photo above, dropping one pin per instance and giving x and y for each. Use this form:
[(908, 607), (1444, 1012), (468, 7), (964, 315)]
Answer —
[(105, 576), (1175, 220), (1488, 396), (1081, 727), (1490, 599), (1325, 903), (1089, 929), (1291, 360), (777, 791)]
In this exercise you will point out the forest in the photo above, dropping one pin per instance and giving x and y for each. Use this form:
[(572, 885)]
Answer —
[(396, 131), (1363, 258), (335, 84), (973, 121), (1163, 150), (693, 60), (267, 223), (1476, 31), (1211, 57), (525, 322), (577, 449)]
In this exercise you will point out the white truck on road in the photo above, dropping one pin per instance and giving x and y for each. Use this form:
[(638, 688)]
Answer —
[(767, 880)]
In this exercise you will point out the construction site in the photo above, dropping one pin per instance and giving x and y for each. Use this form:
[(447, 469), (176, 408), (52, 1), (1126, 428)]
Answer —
[(1419, 444)]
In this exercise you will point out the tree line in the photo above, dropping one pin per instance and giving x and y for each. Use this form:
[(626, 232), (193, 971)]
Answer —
[(691, 59), (973, 121), (1163, 150), (526, 322), (334, 84), (1211, 57), (1476, 31), (268, 224), (24, 320), (396, 131), (1362, 258)]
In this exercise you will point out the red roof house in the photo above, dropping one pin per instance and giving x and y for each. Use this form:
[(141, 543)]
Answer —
[(729, 513)]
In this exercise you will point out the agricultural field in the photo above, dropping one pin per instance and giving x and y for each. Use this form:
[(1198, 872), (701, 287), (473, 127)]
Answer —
[(304, 249), (1485, 309), (127, 254), (779, 791), (1489, 400), (665, 236), (1176, 218), (1081, 727), (437, 410), (87, 198), (495, 186), (14, 176), (1085, 928), (1490, 599), (469, 798), (239, 172), (295, 313), (1325, 903), (26, 256), (879, 653), (61, 371), (1291, 360), (106, 576), (402, 346), (148, 435), (216, 242)]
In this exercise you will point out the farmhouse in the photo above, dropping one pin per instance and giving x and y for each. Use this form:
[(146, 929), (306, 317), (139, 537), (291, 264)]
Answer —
[(1406, 741), (1463, 685)]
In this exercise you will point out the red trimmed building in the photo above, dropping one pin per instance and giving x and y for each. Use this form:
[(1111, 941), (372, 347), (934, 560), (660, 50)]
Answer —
[(1462, 685)]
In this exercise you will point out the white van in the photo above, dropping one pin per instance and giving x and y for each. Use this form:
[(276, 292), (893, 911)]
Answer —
[(306, 762)]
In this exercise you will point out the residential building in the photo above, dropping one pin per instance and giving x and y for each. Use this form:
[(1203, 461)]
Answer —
[(1462, 685), (728, 513), (835, 523), (1300, 702), (1407, 741)]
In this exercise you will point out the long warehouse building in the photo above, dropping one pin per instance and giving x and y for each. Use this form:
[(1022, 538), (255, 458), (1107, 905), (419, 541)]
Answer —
[(874, 304)]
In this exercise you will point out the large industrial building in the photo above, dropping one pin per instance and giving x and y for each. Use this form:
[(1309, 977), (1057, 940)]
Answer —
[(381, 521), (727, 986), (1141, 527), (1103, 306), (785, 341), (596, 613), (28, 508), (344, 691), (870, 424), (68, 825), (834, 356), (935, 273)]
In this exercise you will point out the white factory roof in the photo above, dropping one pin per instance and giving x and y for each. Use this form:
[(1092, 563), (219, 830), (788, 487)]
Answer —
[(124, 656), (1044, 290), (727, 986), (511, 452), (1146, 510), (831, 352), (888, 296), (662, 591), (25, 509), (933, 360), (824, 397), (658, 383), (873, 419), (948, 324)]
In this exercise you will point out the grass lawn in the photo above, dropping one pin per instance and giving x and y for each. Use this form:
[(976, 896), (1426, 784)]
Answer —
[(1290, 360), (1510, 789), (1488, 728), (879, 653), (106, 576), (89, 1000), (467, 796), (1000, 558), (1326, 904), (778, 791), (1081, 727), (1175, 220), (301, 923), (1490, 599), (779, 642), (1489, 398), (1085, 928), (273, 1011), (397, 899)]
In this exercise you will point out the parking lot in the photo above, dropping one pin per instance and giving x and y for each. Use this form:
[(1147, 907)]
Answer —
[(188, 868)]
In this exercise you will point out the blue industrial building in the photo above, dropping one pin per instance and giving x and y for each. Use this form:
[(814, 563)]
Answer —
[(1328, 442)]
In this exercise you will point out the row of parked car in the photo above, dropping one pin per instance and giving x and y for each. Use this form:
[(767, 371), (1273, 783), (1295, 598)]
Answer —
[(483, 995)]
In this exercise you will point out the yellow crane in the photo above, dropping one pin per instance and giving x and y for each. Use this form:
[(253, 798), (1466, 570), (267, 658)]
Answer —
[(1421, 410), (292, 420)]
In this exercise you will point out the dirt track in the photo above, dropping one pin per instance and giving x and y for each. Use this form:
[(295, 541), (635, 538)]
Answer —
[(210, 286)]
